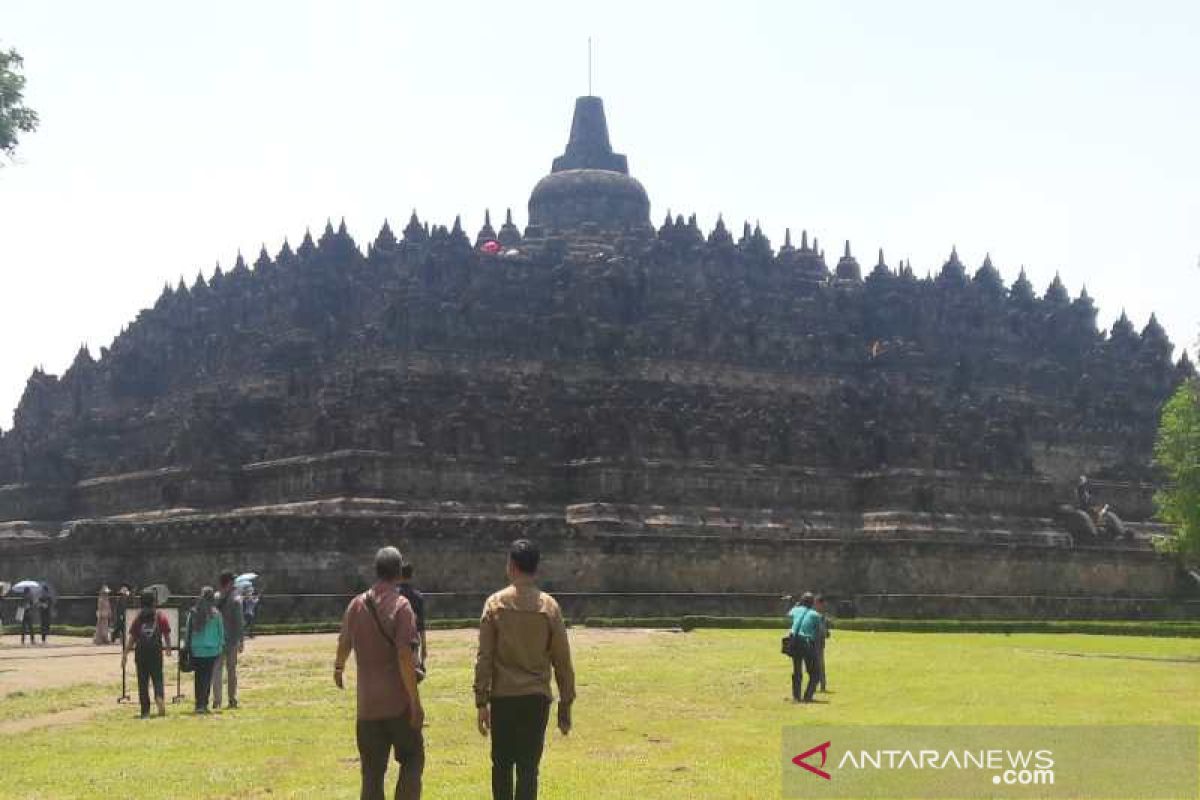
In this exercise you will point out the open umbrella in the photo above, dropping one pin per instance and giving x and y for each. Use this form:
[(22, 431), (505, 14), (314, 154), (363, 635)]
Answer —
[(245, 579), (20, 586)]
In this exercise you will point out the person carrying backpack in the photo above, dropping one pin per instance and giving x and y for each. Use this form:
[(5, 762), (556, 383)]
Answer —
[(149, 637), (206, 641)]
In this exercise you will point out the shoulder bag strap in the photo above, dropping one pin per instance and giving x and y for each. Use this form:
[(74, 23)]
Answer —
[(370, 603)]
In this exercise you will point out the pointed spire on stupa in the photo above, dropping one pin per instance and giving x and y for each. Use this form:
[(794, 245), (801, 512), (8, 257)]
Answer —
[(1056, 292), (953, 271), (1022, 289), (307, 247), (509, 235), (263, 262), (880, 269), (1185, 369), (720, 235), (457, 235), (1153, 334), (385, 240), (181, 290), (988, 277), (667, 227), (286, 255), (414, 232), (847, 268), (787, 250), (1122, 329), (487, 233), (588, 146), (240, 269)]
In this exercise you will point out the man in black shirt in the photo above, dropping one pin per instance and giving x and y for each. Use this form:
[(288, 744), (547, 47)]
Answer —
[(417, 601)]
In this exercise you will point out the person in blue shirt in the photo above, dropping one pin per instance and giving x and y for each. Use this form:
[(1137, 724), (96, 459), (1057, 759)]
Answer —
[(806, 626), (796, 615)]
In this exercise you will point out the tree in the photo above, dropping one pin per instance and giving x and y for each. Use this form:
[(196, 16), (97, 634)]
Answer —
[(15, 117), (1178, 453)]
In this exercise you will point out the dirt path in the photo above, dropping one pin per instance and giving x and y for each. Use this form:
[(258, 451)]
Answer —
[(66, 661)]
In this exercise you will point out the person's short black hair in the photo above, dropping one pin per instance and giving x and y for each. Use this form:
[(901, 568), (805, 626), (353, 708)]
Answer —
[(406, 571), (525, 556), (806, 599), (388, 563), (125, 585), (226, 577), (148, 599)]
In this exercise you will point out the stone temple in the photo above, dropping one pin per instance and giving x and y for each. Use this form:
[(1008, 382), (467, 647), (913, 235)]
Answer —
[(684, 420)]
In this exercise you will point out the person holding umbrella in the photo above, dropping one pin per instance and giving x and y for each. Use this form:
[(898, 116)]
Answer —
[(25, 613)]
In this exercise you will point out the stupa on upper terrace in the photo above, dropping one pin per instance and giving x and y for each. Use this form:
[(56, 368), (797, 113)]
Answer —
[(589, 187)]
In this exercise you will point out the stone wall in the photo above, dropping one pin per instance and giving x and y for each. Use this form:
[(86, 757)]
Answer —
[(462, 552)]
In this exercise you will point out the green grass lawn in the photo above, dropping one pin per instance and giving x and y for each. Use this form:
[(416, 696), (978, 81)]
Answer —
[(660, 715)]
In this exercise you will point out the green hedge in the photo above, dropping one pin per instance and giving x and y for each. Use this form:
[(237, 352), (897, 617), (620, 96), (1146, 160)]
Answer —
[(631, 622), (1165, 628), (1176, 628), (56, 630)]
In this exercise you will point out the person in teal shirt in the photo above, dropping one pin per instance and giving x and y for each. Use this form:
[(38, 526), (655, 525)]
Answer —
[(206, 640), (796, 617), (807, 624)]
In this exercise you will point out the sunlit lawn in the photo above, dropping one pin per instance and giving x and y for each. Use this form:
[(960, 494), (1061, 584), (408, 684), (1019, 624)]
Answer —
[(660, 714)]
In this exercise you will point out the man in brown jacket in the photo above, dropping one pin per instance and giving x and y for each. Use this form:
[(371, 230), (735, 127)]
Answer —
[(521, 636), (379, 626)]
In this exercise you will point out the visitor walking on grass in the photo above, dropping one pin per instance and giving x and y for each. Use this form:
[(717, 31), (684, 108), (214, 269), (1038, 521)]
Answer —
[(806, 622), (229, 603), (45, 606), (821, 639), (206, 641), (149, 637), (417, 601), (795, 616), (522, 636), (379, 626), (119, 607)]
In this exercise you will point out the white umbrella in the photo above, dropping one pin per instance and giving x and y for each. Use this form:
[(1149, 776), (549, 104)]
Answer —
[(21, 586), (246, 579)]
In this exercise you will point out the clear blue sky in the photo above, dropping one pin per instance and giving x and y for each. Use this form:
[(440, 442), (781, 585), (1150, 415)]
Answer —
[(1063, 136)]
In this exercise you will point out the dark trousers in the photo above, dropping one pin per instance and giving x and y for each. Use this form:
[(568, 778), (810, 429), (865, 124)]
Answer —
[(804, 656), (377, 739), (821, 664), (149, 668), (518, 735), (27, 627), (202, 675), (45, 624)]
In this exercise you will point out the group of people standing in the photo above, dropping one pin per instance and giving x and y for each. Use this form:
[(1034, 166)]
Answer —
[(35, 610), (522, 642), (809, 628), (212, 639)]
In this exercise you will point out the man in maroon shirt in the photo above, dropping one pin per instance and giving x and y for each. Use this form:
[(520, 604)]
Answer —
[(381, 628)]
